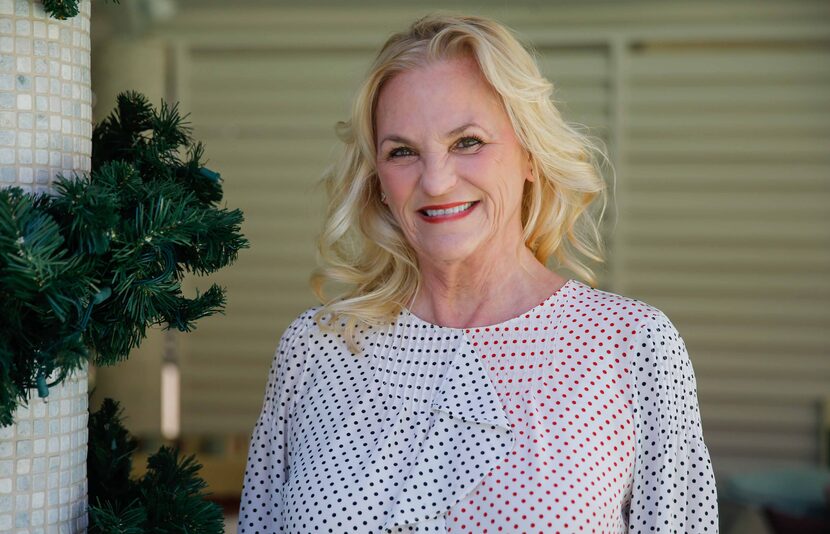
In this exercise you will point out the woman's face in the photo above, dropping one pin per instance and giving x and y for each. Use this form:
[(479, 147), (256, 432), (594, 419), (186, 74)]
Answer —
[(449, 162)]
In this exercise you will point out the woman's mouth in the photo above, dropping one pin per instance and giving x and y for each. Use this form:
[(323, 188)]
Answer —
[(448, 212)]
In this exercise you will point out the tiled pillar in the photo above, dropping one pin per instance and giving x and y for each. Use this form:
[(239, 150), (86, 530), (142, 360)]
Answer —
[(43, 463), (45, 130)]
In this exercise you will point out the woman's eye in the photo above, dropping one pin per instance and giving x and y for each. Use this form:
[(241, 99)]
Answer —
[(400, 152), (468, 142)]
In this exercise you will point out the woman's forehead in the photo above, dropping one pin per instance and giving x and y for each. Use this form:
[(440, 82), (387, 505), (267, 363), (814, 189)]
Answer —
[(441, 94), (463, 70)]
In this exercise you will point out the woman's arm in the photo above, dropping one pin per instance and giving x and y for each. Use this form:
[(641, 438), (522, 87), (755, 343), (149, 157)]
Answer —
[(674, 484), (267, 467)]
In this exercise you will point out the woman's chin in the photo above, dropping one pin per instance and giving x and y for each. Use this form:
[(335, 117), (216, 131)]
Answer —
[(448, 252)]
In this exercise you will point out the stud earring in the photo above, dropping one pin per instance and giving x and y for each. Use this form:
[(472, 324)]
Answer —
[(383, 197)]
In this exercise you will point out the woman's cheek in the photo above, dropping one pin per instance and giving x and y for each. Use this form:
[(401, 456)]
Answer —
[(399, 183), (474, 168)]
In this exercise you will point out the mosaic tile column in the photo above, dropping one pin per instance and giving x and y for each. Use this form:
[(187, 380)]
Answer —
[(45, 130)]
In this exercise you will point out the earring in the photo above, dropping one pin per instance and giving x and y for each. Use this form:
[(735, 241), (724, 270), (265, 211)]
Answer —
[(383, 196)]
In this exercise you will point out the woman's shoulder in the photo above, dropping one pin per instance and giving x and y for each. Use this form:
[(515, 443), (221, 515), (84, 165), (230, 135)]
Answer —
[(657, 358), (299, 327), (311, 327), (655, 342), (629, 321), (306, 318), (593, 302)]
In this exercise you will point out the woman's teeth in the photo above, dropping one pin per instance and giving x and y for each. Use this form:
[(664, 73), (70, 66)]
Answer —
[(449, 211)]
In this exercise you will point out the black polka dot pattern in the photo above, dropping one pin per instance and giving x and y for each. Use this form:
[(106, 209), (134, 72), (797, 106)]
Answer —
[(674, 485), (578, 416)]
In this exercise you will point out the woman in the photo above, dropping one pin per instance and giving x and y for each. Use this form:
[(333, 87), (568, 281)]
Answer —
[(392, 407)]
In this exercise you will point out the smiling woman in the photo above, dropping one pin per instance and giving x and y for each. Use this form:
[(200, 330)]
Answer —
[(456, 384), (443, 105)]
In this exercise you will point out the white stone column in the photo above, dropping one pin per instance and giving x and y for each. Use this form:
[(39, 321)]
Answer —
[(45, 130)]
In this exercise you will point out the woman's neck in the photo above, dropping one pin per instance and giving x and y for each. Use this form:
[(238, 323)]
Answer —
[(483, 290)]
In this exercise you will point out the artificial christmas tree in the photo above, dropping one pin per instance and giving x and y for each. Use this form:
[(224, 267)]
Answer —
[(88, 270)]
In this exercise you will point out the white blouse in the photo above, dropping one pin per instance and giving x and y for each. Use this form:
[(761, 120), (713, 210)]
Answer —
[(580, 415)]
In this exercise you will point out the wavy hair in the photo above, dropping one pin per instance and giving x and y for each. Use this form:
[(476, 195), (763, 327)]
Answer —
[(361, 250)]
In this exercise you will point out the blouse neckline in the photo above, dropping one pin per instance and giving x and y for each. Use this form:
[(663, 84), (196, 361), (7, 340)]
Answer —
[(550, 300)]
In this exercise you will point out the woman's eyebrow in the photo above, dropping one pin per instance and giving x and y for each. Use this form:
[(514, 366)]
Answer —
[(396, 139), (463, 127), (451, 133)]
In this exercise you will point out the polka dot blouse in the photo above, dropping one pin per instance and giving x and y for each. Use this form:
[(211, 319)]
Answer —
[(580, 415)]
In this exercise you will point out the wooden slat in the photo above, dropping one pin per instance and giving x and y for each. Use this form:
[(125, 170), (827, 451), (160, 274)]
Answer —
[(789, 150), (791, 418), (772, 123), (724, 66), (742, 176), (637, 17), (759, 444)]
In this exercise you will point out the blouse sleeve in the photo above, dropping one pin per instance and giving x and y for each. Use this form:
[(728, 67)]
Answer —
[(674, 484), (267, 466)]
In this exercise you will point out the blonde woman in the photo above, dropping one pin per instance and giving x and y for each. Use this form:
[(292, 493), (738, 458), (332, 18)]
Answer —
[(455, 383)]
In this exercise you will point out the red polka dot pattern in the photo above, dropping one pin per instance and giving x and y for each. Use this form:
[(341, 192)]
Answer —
[(580, 415)]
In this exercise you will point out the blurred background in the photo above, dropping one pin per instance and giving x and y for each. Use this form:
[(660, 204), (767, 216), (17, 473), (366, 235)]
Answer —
[(716, 115)]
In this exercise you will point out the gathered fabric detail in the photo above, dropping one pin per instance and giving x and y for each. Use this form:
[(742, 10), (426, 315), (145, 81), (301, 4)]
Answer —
[(468, 435)]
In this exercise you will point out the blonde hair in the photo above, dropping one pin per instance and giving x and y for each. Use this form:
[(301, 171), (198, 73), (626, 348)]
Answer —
[(361, 247)]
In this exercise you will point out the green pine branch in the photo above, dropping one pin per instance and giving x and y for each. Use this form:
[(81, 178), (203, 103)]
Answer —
[(89, 269), (109, 456), (106, 517), (63, 9), (169, 498)]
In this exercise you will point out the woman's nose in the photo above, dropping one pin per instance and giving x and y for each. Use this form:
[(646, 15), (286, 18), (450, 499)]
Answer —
[(437, 175)]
